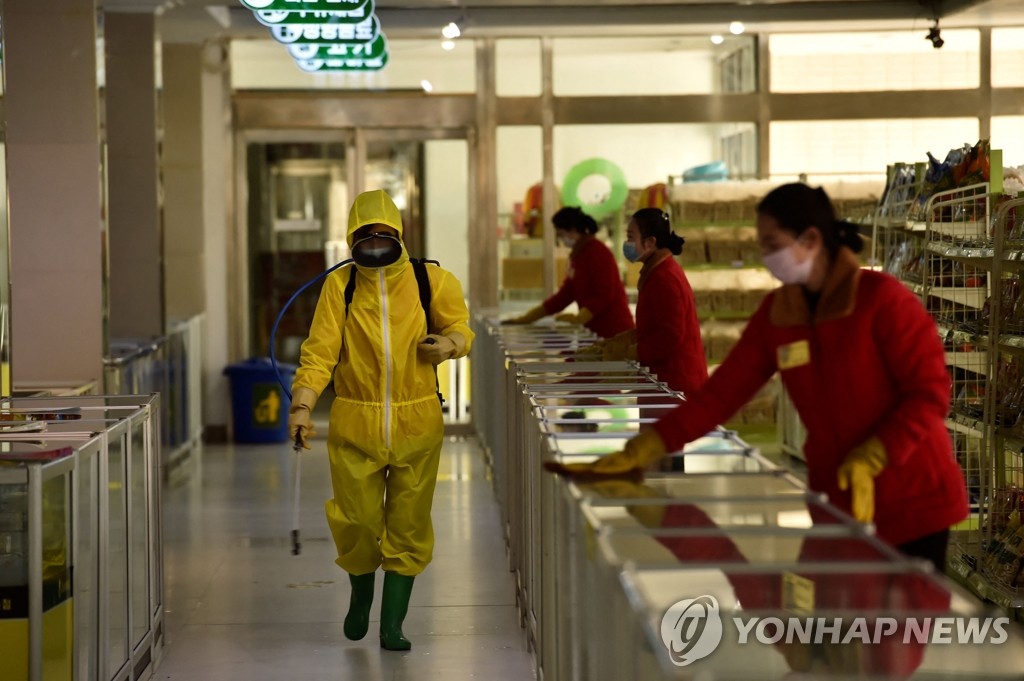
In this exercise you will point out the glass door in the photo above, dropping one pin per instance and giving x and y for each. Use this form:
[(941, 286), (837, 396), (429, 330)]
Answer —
[(298, 197)]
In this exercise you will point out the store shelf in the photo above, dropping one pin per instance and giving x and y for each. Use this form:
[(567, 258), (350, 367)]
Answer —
[(1012, 442), (967, 425), (970, 297), (976, 362), (957, 335), (916, 288), (960, 230), (981, 255)]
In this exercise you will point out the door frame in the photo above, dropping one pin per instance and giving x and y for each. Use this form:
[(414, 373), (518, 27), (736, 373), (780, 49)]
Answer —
[(355, 140)]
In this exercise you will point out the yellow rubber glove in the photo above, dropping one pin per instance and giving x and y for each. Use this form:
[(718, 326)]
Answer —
[(300, 417), (529, 317), (435, 348), (638, 454), (617, 348), (857, 474), (581, 317)]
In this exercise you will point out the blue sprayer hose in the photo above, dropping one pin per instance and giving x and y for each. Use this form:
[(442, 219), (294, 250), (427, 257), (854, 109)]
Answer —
[(280, 315)]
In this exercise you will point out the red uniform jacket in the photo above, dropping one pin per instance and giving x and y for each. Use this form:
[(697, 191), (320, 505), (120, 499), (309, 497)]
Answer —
[(593, 281), (667, 329), (868, 363)]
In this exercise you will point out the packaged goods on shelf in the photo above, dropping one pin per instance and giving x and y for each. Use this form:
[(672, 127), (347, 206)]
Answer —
[(719, 338), (735, 201)]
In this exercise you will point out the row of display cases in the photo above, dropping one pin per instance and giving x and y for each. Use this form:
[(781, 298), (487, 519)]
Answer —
[(81, 559), (625, 578)]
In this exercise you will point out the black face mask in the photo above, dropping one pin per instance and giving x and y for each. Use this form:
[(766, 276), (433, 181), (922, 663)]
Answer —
[(377, 250)]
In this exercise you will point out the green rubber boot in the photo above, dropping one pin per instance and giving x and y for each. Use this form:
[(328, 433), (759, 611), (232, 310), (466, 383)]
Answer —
[(357, 621), (393, 607)]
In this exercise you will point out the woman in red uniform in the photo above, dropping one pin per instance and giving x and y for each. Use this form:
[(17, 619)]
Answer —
[(667, 335), (592, 282), (864, 366)]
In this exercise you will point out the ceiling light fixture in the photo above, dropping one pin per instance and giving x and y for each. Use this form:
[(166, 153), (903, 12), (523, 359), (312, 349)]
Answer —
[(426, 85), (451, 31), (448, 45), (737, 28), (717, 39)]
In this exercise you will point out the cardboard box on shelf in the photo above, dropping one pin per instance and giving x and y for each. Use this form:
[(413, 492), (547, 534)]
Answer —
[(527, 272)]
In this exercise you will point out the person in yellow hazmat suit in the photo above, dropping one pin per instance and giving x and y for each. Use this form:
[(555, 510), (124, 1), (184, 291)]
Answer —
[(386, 429)]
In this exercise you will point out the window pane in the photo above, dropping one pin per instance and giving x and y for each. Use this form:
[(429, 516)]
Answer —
[(266, 64), (652, 65), (1008, 57), (1008, 135), (852, 62), (647, 154), (520, 166), (517, 68), (852, 147), (520, 218)]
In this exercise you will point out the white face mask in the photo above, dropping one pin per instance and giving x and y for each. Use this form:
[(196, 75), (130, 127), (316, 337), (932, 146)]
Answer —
[(784, 266)]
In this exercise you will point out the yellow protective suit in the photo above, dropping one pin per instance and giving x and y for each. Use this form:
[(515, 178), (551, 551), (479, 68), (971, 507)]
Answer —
[(385, 425)]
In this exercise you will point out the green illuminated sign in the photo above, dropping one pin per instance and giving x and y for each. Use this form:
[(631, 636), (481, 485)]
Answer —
[(374, 50), (275, 17), (314, 5), (365, 31), (342, 64)]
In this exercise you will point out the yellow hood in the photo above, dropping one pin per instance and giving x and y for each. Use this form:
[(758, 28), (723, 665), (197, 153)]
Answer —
[(373, 207)]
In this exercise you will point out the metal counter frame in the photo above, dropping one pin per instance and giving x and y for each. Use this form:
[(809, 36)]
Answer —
[(124, 431)]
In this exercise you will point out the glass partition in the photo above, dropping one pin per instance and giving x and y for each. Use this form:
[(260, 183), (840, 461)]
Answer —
[(117, 558), (517, 67), (1006, 135), (521, 218), (671, 65), (298, 205), (139, 539), (86, 574), (856, 62), (862, 146), (1007, 58)]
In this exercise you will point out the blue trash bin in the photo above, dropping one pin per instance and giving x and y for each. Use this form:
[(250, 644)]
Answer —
[(259, 406)]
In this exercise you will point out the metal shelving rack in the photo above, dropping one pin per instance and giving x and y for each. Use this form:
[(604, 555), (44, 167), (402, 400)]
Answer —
[(962, 251)]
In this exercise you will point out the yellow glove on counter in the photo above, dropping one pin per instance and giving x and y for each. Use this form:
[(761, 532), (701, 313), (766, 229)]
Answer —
[(300, 417), (581, 318), (618, 348), (857, 474), (638, 454), (529, 317), (435, 348)]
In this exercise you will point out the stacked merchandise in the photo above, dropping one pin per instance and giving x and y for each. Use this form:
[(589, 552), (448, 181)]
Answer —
[(326, 35), (722, 260)]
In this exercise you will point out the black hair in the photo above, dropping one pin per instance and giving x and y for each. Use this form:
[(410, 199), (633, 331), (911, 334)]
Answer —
[(798, 207), (654, 223), (573, 219)]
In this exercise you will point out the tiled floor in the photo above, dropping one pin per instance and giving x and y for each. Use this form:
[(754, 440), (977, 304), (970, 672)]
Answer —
[(240, 606)]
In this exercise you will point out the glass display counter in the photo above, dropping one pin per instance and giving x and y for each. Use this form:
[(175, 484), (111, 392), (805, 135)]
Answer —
[(115, 550), (839, 621)]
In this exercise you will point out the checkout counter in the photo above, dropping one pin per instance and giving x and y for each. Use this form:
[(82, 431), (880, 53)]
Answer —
[(81, 561), (608, 571)]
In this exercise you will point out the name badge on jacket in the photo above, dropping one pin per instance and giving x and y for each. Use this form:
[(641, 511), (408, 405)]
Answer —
[(793, 355)]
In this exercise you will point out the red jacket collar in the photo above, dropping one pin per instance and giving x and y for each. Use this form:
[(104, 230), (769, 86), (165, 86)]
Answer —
[(660, 256), (789, 306)]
